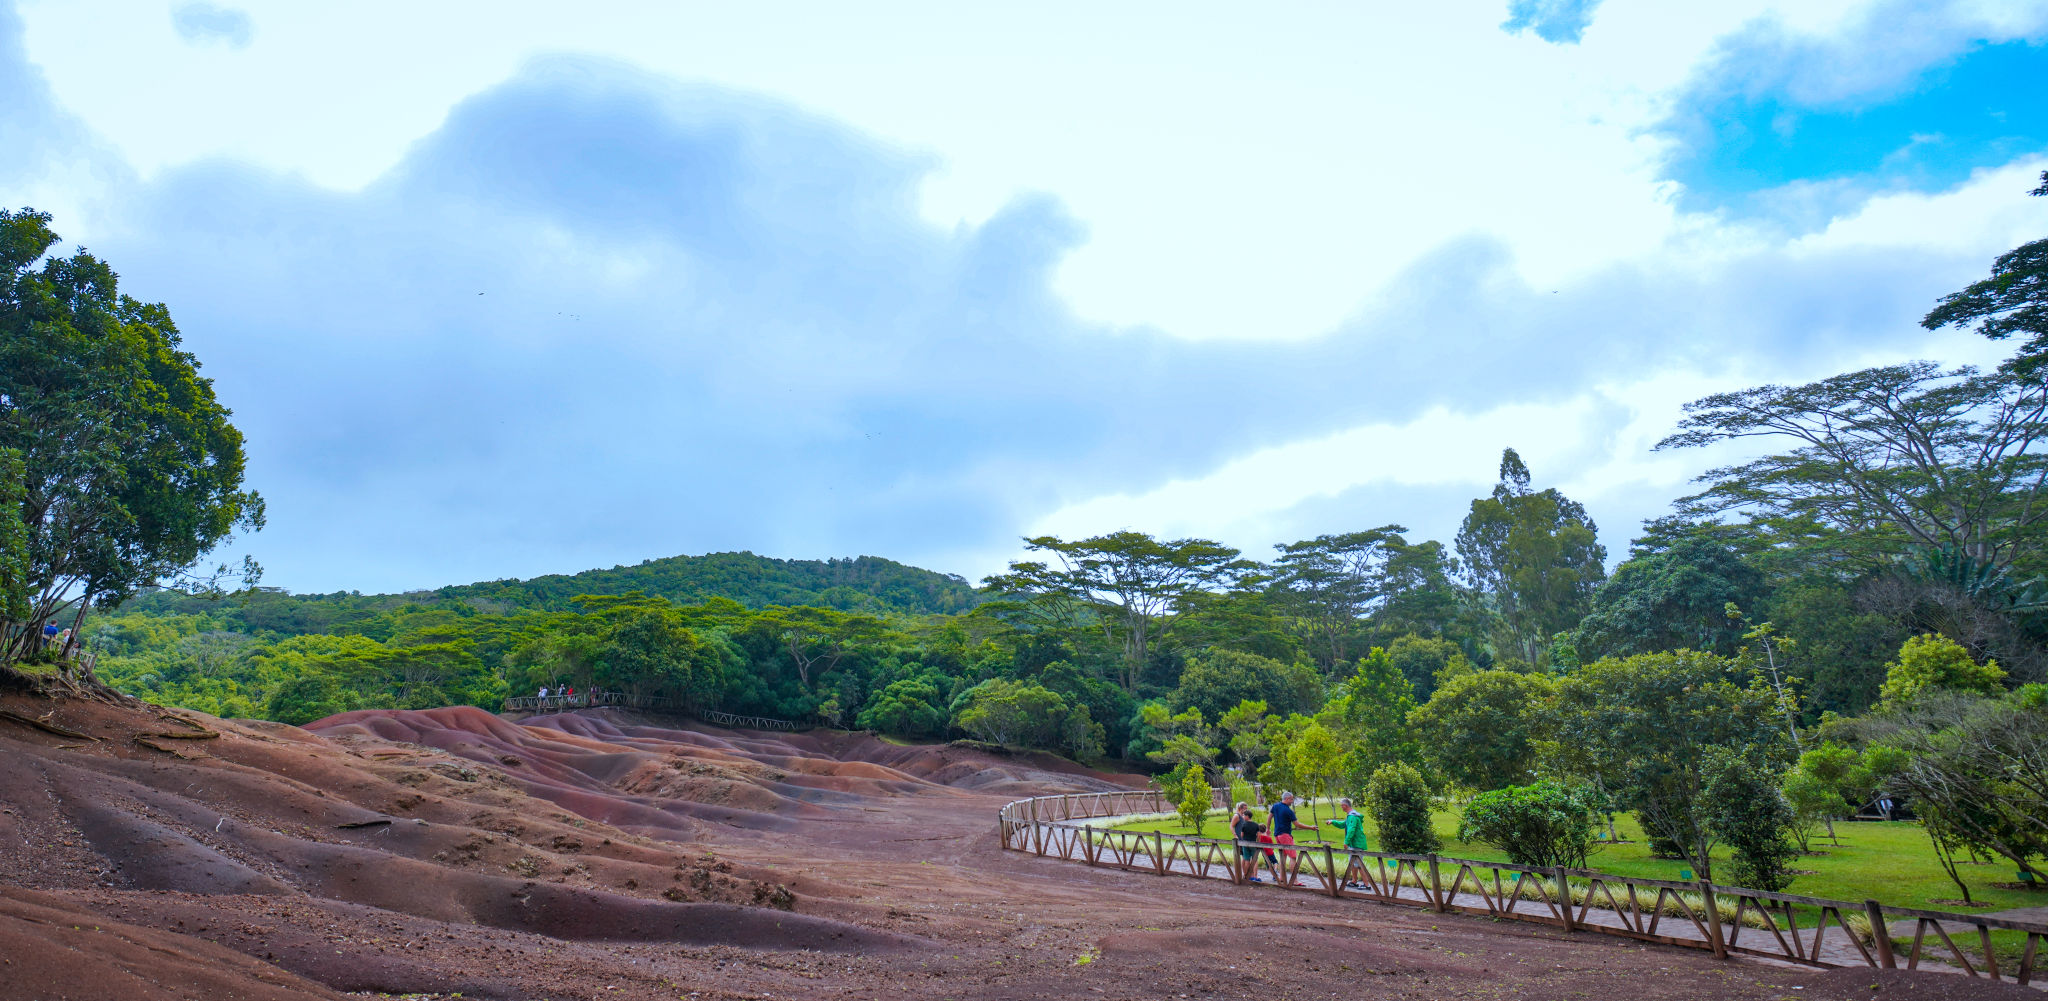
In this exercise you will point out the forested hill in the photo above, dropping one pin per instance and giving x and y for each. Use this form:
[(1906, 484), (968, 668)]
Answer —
[(865, 583)]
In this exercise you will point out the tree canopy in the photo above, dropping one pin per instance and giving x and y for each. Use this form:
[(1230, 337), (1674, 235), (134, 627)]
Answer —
[(2013, 301), (129, 471), (1534, 557)]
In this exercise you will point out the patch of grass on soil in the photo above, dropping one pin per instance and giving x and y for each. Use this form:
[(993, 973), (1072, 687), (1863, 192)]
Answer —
[(1889, 861)]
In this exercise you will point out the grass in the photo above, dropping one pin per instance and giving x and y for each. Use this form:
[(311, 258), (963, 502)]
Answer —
[(1891, 862)]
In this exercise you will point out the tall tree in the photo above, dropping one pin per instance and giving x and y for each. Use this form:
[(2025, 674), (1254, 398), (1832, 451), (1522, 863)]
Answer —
[(816, 638), (129, 469), (1331, 581), (1652, 729), (1885, 458), (1533, 556), (1421, 596), (1672, 598), (1369, 715), (2014, 300), (1127, 584), (1480, 730)]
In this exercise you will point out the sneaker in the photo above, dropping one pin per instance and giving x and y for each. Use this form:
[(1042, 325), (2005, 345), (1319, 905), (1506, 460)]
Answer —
[(1256, 879)]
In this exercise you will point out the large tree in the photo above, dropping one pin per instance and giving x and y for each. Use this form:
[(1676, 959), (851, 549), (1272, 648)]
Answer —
[(1652, 729), (1671, 598), (1533, 557), (1480, 730), (1974, 768), (1331, 581), (1127, 584), (129, 471), (1886, 458), (2014, 300)]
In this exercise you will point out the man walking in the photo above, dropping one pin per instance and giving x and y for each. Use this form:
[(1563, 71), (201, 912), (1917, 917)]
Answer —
[(1354, 840), (1283, 822)]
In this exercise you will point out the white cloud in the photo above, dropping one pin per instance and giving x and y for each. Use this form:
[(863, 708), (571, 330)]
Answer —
[(1241, 174), (717, 321)]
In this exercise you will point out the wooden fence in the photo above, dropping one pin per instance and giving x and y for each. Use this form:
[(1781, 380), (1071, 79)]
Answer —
[(1700, 915), (651, 703)]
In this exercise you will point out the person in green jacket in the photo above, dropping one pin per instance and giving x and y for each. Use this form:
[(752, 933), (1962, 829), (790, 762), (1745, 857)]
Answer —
[(1353, 825)]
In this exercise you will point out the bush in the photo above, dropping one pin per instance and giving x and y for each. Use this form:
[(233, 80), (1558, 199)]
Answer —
[(1660, 846), (1814, 803), (1746, 811), (1398, 801), (908, 708), (1241, 790), (1216, 680), (1545, 824), (1022, 714), (1193, 806), (304, 699), (1935, 661)]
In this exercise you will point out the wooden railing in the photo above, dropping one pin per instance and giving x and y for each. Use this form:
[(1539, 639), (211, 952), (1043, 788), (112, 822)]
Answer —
[(1702, 915), (652, 703), (734, 720)]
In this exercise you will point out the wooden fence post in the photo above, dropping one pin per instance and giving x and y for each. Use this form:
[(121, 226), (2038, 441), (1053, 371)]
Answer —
[(1330, 866), (1713, 919), (1880, 935), (1564, 898), (1436, 887), (1159, 852)]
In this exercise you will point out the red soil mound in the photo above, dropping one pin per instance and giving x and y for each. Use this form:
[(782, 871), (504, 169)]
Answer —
[(164, 806)]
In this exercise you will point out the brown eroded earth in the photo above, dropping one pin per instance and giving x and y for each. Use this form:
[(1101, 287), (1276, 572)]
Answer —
[(600, 855)]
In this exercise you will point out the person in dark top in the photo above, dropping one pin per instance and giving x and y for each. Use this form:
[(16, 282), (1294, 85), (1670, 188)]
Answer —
[(1245, 828), (1284, 822)]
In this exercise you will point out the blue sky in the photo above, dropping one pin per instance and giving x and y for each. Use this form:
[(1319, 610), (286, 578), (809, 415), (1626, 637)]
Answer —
[(498, 293)]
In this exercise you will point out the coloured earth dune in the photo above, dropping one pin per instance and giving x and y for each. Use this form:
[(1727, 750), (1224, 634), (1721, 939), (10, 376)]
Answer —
[(152, 853)]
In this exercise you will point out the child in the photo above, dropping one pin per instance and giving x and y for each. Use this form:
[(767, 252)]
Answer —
[(1245, 828)]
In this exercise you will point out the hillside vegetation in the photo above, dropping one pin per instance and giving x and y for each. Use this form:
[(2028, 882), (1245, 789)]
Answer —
[(1816, 627)]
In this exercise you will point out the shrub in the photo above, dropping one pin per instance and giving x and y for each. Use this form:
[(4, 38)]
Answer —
[(1241, 789), (1173, 784), (908, 708), (1747, 812), (1935, 661), (1194, 800), (1814, 803), (313, 697), (1660, 846), (1398, 801), (1544, 824)]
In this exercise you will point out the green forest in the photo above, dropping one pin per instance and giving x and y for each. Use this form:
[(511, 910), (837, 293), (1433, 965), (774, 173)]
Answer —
[(1859, 607)]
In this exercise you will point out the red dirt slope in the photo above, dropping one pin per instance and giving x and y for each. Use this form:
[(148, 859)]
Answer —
[(602, 856)]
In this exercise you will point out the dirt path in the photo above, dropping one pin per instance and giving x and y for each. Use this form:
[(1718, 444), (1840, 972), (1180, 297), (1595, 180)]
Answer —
[(597, 856)]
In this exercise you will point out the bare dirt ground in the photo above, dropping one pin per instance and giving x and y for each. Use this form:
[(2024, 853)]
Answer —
[(597, 855)]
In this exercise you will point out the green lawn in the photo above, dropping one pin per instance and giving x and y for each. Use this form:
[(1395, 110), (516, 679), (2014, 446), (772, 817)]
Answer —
[(1890, 862)]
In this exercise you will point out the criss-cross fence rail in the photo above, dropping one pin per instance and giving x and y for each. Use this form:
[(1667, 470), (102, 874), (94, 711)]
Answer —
[(652, 703), (1700, 915)]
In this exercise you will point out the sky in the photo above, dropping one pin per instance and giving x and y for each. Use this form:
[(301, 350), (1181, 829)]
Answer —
[(504, 289)]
